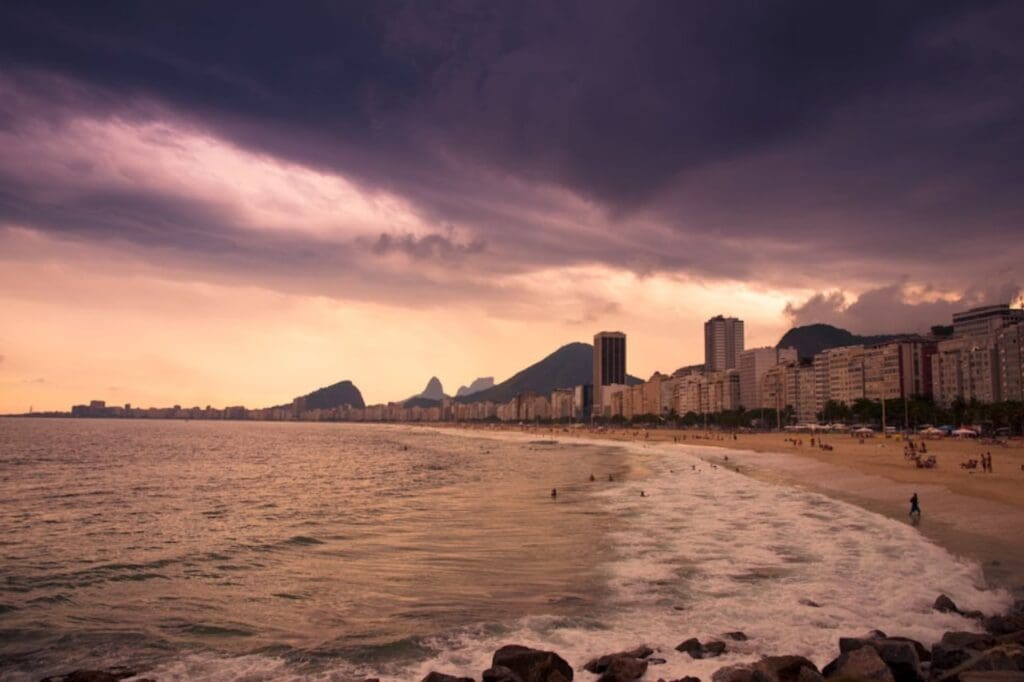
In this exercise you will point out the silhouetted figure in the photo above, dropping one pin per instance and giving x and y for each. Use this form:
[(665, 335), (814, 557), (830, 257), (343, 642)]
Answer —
[(915, 509), (642, 494), (610, 479), (554, 493), (592, 479)]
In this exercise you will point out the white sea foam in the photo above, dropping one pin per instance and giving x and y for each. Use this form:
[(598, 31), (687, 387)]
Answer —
[(708, 551)]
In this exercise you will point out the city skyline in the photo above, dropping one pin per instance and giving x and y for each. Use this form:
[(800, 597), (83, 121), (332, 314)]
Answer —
[(194, 213)]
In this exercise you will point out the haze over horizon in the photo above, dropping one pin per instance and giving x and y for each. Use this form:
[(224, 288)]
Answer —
[(206, 208)]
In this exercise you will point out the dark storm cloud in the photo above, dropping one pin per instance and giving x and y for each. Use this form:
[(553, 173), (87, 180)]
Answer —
[(794, 142), (885, 309)]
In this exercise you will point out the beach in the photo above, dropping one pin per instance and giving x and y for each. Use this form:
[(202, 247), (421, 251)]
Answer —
[(973, 514)]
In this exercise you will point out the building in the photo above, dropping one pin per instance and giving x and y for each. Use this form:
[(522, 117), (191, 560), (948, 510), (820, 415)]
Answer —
[(968, 368), (839, 375), (986, 319), (609, 362), (723, 343), (793, 385), (898, 370), (1010, 345), (753, 364), (583, 401), (562, 403)]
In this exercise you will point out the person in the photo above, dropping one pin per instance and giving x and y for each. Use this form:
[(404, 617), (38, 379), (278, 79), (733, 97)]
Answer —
[(915, 509), (592, 479), (554, 493), (610, 478), (642, 494)]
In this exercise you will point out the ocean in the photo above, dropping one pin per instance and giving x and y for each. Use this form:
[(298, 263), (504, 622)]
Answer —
[(263, 551)]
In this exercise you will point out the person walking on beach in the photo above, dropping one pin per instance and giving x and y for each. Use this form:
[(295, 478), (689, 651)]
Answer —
[(915, 509)]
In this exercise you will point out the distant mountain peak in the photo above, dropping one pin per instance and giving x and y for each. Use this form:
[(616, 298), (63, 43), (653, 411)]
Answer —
[(335, 395), (479, 384), (433, 391)]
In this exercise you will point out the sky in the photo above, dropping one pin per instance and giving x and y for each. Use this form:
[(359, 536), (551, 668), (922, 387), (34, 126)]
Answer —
[(200, 205)]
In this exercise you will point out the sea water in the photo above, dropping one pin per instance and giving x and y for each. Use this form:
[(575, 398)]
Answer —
[(232, 550)]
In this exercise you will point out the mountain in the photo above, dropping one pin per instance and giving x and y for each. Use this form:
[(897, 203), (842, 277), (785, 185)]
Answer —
[(432, 394), (570, 365), (811, 339), (335, 395), (481, 384)]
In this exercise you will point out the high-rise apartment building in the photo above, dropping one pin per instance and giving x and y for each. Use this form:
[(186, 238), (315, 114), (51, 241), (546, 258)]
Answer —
[(753, 364), (723, 343), (967, 367), (986, 319), (1010, 342), (609, 361)]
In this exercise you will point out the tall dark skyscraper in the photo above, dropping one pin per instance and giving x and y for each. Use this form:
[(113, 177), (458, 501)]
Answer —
[(723, 343), (609, 361)]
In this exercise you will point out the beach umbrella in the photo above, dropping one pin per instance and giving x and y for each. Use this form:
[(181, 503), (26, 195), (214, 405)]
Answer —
[(864, 431), (965, 432)]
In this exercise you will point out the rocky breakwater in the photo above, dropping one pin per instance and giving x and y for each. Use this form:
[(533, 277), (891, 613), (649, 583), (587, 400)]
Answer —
[(995, 655)]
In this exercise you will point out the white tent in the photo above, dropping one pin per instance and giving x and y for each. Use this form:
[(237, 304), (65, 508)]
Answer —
[(933, 432), (864, 431), (968, 433)]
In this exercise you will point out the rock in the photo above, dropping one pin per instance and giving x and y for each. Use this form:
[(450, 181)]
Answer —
[(923, 654), (786, 668), (956, 648), (859, 664), (811, 603), (1004, 624), (600, 664), (899, 654), (808, 675), (992, 676), (656, 661), (624, 669), (441, 677), (690, 646), (737, 636), (112, 675), (740, 673), (500, 673), (532, 665), (695, 649), (1004, 657), (680, 679), (944, 604)]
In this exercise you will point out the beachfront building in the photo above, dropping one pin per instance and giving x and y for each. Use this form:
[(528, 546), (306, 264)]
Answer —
[(966, 367), (793, 385), (898, 369), (986, 319), (723, 343), (583, 401), (839, 375), (753, 364), (609, 362), (1010, 344), (562, 403)]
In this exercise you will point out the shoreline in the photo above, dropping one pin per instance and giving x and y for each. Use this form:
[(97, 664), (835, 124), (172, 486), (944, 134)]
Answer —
[(976, 516)]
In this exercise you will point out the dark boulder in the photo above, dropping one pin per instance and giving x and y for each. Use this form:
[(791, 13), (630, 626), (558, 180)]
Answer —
[(111, 675), (740, 673), (992, 676), (624, 669), (810, 602), (1004, 624), (680, 679), (1003, 657), (860, 664), (441, 677), (737, 636), (944, 604), (955, 648), (786, 668), (899, 654), (500, 673), (533, 665), (695, 649), (600, 664)]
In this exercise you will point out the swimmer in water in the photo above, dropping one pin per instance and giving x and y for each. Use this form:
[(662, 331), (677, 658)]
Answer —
[(554, 493), (915, 509), (592, 479), (610, 477), (642, 494)]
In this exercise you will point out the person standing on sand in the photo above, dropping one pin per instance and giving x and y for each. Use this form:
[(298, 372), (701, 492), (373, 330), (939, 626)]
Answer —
[(914, 508)]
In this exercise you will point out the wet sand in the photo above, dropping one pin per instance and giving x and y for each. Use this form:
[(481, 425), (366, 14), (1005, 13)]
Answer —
[(973, 514)]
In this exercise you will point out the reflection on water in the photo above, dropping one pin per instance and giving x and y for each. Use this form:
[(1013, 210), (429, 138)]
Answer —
[(131, 541)]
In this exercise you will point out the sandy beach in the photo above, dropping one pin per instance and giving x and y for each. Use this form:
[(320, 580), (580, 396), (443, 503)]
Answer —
[(971, 513)]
